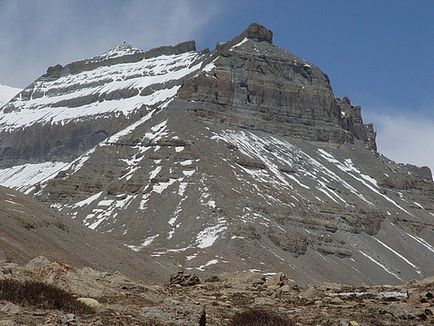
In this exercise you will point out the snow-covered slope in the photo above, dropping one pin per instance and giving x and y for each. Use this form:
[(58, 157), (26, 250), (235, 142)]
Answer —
[(7, 93), (98, 92), (72, 108)]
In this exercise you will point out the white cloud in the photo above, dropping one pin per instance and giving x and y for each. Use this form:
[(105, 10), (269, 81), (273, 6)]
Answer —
[(38, 34), (404, 138)]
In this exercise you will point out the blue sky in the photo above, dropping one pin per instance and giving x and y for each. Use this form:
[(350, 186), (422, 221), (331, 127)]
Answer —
[(379, 53)]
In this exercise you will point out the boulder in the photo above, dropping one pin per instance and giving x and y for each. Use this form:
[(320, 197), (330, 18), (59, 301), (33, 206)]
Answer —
[(37, 263), (259, 33), (68, 320), (310, 292), (413, 298), (9, 308), (277, 281), (212, 278), (401, 311), (89, 302)]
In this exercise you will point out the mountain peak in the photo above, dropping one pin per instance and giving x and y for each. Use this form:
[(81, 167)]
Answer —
[(258, 32), (119, 50)]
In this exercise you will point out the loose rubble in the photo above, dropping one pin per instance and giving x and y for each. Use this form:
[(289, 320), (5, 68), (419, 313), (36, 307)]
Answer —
[(121, 301)]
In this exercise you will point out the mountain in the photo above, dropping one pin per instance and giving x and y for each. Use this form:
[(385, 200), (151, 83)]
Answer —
[(29, 229), (7, 93), (235, 159)]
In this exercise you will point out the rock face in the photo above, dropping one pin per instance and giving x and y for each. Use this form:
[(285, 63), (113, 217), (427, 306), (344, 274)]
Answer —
[(258, 32), (236, 159), (250, 83), (351, 120)]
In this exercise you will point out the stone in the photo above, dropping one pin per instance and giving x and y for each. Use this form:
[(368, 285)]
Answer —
[(10, 308), (212, 278), (286, 288), (336, 301), (261, 301), (413, 298), (184, 279), (277, 281), (257, 280), (68, 320), (7, 322), (214, 304), (258, 32), (310, 292), (90, 302), (37, 263), (401, 311), (427, 296)]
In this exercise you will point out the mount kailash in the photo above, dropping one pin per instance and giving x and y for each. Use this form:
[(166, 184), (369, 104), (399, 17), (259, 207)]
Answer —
[(235, 159)]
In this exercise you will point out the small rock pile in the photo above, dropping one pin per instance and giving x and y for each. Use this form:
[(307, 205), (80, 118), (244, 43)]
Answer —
[(184, 279)]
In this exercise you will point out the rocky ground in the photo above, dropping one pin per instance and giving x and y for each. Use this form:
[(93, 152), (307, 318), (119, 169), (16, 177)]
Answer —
[(186, 300)]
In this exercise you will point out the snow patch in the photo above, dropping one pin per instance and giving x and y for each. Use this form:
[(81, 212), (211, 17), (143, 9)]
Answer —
[(239, 44), (87, 201), (381, 265), (207, 237), (211, 262), (399, 255), (24, 177), (145, 243)]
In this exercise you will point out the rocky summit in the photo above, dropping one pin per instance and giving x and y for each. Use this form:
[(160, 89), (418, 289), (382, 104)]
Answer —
[(238, 159)]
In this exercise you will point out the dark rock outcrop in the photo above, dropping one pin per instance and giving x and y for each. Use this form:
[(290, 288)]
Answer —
[(184, 279), (171, 50), (351, 120), (257, 85), (258, 32)]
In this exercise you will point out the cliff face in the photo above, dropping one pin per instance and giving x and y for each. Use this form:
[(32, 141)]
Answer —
[(235, 159), (249, 82), (351, 120)]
